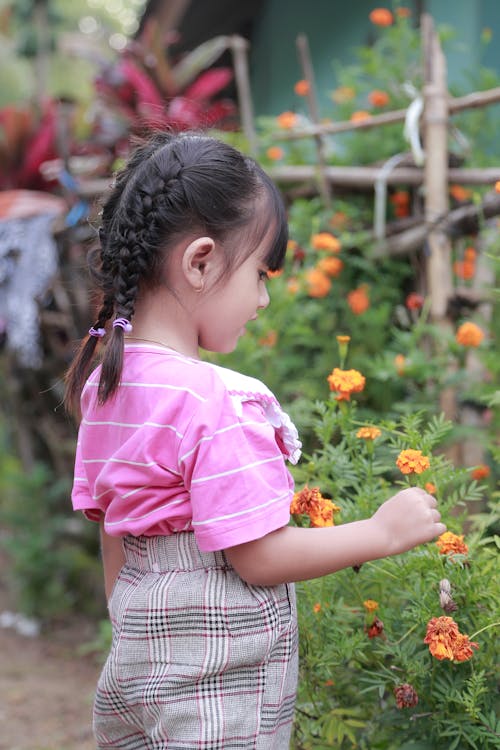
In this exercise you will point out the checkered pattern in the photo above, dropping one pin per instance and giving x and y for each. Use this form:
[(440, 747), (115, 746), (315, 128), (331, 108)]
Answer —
[(200, 660)]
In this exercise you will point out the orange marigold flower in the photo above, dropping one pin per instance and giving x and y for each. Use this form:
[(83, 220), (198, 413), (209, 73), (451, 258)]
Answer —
[(275, 274), (360, 116), (325, 241), (292, 245), (318, 283), (317, 608), (470, 253), (414, 301), (287, 120), (368, 433), (463, 648), (460, 193), (332, 266), (311, 502), (378, 98), (446, 642), (370, 605), (399, 362), (343, 339), (403, 12), (269, 339), (497, 186), (358, 300), (293, 285), (329, 683), (302, 88), (411, 461), (343, 94), (469, 334), (381, 17), (275, 153), (338, 220), (400, 198), (405, 694), (480, 472), (450, 543), (441, 634), (376, 629), (430, 488), (345, 382), (464, 269)]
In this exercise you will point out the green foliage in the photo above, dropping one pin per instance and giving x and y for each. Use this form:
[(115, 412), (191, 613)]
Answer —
[(53, 560)]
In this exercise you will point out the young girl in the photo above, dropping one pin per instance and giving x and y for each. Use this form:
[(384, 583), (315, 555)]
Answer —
[(183, 462)]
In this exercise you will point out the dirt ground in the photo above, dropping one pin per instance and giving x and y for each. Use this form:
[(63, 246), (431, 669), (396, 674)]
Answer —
[(46, 687)]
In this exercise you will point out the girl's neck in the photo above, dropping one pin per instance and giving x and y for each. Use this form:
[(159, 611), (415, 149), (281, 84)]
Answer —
[(162, 321)]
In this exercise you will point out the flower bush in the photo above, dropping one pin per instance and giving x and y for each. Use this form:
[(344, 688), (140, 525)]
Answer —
[(398, 654)]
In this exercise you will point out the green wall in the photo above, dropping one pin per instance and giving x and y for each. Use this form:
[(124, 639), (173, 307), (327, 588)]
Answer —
[(335, 27)]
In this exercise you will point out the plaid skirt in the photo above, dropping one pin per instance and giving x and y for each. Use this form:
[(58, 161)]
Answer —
[(200, 660)]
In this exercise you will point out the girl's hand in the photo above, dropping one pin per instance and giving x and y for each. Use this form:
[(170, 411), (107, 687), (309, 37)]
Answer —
[(407, 519)]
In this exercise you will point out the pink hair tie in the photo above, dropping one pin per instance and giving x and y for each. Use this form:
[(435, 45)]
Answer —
[(123, 323), (97, 332)]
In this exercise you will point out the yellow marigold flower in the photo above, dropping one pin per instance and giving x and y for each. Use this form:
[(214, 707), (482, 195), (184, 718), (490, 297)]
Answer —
[(430, 488), (412, 462), (399, 362), (318, 283), (359, 116), (446, 642), (370, 605), (321, 515), (275, 153), (345, 382), (343, 94), (331, 265), (287, 120), (343, 339), (450, 543), (469, 334), (381, 17), (378, 98), (302, 88), (325, 241), (317, 608), (368, 433)]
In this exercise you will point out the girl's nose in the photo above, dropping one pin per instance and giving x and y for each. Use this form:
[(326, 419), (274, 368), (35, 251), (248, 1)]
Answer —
[(264, 298)]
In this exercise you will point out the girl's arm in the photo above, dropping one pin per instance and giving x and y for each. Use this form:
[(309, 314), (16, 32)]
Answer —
[(292, 554), (113, 558)]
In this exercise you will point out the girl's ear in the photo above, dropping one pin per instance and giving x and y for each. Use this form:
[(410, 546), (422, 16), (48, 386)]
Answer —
[(199, 261)]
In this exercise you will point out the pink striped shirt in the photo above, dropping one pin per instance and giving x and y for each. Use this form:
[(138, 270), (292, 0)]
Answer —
[(184, 445)]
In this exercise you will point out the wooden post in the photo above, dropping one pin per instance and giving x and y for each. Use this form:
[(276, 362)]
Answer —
[(438, 270), (308, 73), (239, 48)]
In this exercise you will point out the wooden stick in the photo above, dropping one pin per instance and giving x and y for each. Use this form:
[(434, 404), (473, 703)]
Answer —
[(239, 48), (457, 104), (308, 73)]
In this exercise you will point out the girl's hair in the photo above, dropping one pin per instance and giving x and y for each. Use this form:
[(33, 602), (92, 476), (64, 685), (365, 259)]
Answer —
[(174, 186)]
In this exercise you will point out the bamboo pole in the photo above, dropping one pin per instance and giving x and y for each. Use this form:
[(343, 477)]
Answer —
[(239, 48), (455, 104), (312, 103)]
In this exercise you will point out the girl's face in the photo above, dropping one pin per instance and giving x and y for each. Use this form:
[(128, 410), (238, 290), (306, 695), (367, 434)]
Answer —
[(233, 302)]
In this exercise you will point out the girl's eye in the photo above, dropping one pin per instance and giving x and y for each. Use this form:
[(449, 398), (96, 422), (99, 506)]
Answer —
[(263, 275)]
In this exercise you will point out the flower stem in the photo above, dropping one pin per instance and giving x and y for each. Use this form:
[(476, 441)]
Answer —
[(481, 630)]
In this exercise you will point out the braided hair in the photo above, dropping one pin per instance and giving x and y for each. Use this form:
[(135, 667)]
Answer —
[(173, 185)]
